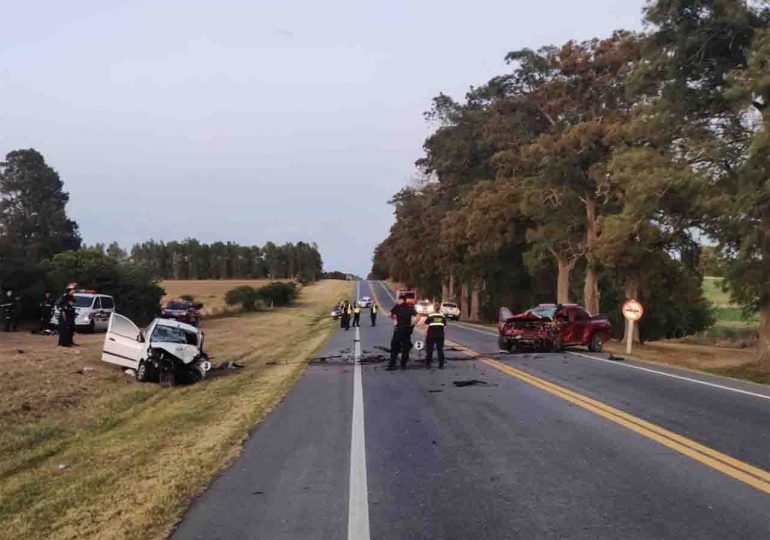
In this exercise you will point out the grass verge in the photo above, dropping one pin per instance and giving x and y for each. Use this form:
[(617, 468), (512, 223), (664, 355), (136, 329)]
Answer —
[(134, 454)]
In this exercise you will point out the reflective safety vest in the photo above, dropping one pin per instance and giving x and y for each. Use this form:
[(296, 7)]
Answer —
[(374, 308), (436, 320), (357, 309), (349, 309)]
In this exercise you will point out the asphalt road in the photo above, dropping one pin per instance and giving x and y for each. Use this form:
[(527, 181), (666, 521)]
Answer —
[(566, 445)]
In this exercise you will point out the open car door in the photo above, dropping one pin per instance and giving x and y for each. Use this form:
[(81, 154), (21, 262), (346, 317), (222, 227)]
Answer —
[(123, 343)]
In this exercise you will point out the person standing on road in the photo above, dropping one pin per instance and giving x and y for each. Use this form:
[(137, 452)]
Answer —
[(402, 315), (357, 314), (434, 338), (66, 318), (373, 313), (346, 312), (46, 309)]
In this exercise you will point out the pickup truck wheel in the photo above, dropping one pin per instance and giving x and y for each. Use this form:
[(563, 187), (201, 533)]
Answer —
[(596, 344), (91, 327), (556, 344), (503, 344)]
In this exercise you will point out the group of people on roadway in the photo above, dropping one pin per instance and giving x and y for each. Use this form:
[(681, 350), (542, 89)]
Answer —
[(352, 310), (405, 318)]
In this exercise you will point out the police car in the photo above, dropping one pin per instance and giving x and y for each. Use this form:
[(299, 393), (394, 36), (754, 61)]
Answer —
[(92, 311), (365, 302)]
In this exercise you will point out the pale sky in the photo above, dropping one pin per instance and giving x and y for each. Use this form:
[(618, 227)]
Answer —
[(254, 120)]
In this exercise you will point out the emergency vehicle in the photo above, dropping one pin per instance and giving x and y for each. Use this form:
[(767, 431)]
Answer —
[(92, 311)]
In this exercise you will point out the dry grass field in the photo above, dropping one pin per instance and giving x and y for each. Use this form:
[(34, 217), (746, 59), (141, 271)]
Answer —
[(209, 292), (87, 452)]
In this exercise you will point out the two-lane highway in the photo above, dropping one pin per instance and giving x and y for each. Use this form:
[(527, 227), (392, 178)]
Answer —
[(552, 446)]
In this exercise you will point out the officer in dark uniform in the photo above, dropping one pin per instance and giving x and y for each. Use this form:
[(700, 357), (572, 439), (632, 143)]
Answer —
[(402, 314), (373, 313), (357, 314), (10, 310), (346, 313), (46, 309), (434, 338), (66, 318)]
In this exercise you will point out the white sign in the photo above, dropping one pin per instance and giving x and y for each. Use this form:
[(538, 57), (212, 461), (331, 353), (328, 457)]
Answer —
[(419, 345), (633, 310)]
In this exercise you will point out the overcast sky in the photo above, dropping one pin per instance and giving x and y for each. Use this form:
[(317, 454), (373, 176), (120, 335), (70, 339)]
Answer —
[(254, 120)]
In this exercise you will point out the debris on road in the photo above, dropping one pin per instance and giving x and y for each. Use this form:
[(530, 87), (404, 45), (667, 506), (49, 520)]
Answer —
[(84, 370), (470, 382), (434, 391), (615, 358), (62, 466)]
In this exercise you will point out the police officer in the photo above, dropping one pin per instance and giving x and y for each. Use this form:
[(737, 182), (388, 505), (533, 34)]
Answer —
[(10, 310), (346, 312), (401, 314), (434, 338), (66, 318), (373, 313), (46, 308), (357, 314)]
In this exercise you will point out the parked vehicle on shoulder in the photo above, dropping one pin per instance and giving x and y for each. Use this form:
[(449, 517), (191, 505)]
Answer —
[(336, 311), (424, 307), (167, 351), (551, 327), (92, 311), (182, 311), (450, 310)]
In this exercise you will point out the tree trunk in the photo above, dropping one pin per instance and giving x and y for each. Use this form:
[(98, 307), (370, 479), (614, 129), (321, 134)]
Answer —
[(452, 287), (565, 265), (444, 290), (476, 289), (591, 287), (464, 304), (763, 344), (632, 293)]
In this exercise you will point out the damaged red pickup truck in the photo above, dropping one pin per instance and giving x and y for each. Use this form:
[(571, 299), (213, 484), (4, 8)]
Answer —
[(551, 327)]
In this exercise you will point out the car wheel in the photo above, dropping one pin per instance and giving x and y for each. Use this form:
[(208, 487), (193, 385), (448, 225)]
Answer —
[(143, 371), (503, 344), (92, 327), (556, 344), (596, 344)]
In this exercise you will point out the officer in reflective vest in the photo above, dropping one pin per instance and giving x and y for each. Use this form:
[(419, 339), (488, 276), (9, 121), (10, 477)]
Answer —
[(357, 314), (373, 313), (434, 338)]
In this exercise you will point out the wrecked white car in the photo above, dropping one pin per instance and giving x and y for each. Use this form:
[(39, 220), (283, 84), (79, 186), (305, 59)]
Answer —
[(167, 351)]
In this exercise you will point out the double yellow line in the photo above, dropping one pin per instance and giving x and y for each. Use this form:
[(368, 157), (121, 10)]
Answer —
[(753, 476)]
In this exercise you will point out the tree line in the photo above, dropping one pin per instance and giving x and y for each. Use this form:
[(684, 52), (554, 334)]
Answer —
[(594, 171), (191, 259), (41, 249)]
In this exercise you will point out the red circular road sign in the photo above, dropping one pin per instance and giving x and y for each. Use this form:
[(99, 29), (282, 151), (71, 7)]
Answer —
[(633, 310)]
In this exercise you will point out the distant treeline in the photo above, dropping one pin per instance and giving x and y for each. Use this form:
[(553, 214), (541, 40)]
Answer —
[(41, 250), (191, 259)]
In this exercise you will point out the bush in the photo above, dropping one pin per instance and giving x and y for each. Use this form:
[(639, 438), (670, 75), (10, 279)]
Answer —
[(278, 293), (187, 297), (244, 296)]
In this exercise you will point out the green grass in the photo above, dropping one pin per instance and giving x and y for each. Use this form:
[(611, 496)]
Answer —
[(712, 290), (747, 372)]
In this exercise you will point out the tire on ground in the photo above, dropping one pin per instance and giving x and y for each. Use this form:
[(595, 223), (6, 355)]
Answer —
[(596, 344)]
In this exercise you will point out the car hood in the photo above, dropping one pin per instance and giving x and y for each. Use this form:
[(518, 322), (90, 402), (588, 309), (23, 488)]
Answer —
[(186, 353)]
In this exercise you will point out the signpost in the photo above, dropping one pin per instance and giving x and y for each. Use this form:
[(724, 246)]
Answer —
[(632, 311)]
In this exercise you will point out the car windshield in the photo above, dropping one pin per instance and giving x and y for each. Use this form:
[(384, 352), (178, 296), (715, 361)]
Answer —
[(544, 312), (177, 306), (170, 334), (83, 301)]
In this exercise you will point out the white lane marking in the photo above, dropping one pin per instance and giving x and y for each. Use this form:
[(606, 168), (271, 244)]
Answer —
[(673, 376), (358, 494)]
